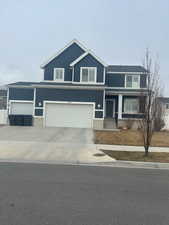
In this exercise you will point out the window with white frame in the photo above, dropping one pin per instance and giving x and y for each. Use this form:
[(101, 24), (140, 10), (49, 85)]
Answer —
[(132, 81), (131, 105), (88, 74), (59, 74)]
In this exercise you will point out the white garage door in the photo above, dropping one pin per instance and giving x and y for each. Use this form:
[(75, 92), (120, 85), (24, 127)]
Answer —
[(68, 115), (23, 108)]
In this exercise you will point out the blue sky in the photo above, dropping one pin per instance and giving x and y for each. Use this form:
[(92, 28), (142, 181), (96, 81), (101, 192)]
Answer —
[(117, 31)]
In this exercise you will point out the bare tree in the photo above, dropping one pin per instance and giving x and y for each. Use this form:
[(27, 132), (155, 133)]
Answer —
[(150, 106)]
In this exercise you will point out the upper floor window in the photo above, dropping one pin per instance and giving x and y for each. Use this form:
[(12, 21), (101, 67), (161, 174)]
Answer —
[(59, 74), (88, 74), (167, 105), (132, 81)]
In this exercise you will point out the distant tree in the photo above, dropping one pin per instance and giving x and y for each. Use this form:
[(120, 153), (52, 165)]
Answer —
[(149, 103)]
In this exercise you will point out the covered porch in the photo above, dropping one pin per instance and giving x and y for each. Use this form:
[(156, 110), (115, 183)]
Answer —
[(121, 108)]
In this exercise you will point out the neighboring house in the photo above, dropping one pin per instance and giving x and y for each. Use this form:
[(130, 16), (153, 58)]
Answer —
[(165, 104), (3, 105), (80, 90), (3, 98)]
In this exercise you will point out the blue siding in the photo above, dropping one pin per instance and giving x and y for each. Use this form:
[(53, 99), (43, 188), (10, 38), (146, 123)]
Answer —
[(63, 61), (21, 94), (115, 80), (89, 61), (50, 94), (143, 80), (118, 80)]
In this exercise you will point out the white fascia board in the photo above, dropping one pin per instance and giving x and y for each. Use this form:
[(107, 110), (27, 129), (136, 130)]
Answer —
[(70, 87), (80, 58), (59, 52), (86, 53)]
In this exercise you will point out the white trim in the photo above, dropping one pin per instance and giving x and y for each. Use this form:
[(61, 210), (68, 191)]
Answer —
[(7, 104), (34, 101), (37, 116), (63, 74), (7, 100), (137, 73), (78, 82), (26, 101), (62, 50), (79, 58), (95, 75), (67, 102), (131, 118), (38, 107), (85, 54), (55, 81), (120, 106), (73, 73), (99, 109), (127, 93), (64, 86), (135, 113), (104, 102), (104, 75), (125, 88)]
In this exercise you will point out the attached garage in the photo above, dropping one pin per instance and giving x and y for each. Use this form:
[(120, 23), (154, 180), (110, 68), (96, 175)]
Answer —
[(21, 108), (64, 114), (20, 113)]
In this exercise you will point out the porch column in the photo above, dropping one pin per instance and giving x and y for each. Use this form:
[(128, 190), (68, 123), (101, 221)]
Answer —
[(120, 98)]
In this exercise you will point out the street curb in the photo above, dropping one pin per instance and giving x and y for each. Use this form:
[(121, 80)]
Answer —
[(136, 164), (115, 164)]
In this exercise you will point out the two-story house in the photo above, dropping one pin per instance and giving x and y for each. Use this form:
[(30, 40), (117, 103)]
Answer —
[(80, 90)]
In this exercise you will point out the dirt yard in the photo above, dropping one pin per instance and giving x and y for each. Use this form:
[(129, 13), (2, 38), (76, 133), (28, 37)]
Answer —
[(130, 137), (139, 156)]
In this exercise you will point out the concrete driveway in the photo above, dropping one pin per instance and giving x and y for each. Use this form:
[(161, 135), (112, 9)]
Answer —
[(68, 145)]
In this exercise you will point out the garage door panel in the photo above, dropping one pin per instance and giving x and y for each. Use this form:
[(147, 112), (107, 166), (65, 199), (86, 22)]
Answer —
[(22, 108), (68, 115)]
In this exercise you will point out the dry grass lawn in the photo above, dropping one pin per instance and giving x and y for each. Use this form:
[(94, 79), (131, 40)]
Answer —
[(130, 137), (138, 156)]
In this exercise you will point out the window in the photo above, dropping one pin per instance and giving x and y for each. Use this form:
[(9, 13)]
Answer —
[(88, 74), (167, 106), (59, 74), (133, 81), (131, 105), (3, 102)]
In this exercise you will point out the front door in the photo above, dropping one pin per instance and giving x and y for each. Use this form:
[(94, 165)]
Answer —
[(110, 108)]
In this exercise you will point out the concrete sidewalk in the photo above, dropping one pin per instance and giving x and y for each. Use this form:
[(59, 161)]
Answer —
[(130, 148), (52, 151)]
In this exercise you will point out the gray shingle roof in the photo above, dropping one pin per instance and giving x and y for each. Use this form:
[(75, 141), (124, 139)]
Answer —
[(30, 84), (125, 68)]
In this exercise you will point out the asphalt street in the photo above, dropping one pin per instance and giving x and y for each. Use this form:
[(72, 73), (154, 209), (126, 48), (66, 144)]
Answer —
[(40, 194)]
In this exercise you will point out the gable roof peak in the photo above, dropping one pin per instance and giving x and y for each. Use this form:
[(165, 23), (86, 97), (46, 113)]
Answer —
[(59, 52)]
